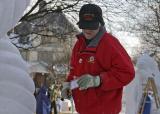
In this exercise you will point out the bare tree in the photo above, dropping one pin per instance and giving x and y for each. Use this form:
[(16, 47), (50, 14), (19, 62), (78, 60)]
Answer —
[(144, 21), (43, 7)]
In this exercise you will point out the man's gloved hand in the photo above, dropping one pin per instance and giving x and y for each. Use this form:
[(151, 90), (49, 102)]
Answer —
[(66, 91), (86, 81)]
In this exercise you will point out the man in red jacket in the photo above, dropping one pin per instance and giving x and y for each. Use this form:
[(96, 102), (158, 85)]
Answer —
[(100, 67)]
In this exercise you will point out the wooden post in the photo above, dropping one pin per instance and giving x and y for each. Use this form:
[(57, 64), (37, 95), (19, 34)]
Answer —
[(150, 86)]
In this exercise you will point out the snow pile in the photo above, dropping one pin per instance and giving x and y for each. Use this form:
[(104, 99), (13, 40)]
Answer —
[(146, 67), (16, 86)]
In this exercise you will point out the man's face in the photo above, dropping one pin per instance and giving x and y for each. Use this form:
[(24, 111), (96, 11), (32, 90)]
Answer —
[(90, 33)]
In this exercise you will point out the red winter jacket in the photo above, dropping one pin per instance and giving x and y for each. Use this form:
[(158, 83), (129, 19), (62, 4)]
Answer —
[(106, 57)]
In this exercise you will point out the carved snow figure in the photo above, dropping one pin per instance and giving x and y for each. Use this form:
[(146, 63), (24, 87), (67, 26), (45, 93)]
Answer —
[(16, 86), (146, 67)]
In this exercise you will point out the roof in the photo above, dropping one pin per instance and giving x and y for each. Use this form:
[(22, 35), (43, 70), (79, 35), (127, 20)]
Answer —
[(57, 23), (38, 67)]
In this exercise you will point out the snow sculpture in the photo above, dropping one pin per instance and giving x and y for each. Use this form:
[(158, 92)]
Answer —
[(146, 67), (16, 86)]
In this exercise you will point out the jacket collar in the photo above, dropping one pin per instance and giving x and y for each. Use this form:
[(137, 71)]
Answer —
[(96, 39)]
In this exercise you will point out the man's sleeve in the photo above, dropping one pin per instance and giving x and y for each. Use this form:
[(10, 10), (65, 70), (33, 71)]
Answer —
[(72, 63), (121, 70)]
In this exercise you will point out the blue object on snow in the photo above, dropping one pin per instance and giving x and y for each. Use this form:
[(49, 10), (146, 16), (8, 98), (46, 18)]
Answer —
[(43, 101), (147, 106)]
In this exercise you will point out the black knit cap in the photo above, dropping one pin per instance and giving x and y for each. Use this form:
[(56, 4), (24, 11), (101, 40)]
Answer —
[(90, 16)]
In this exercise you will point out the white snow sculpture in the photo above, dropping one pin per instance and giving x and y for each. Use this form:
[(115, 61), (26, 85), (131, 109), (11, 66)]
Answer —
[(146, 67), (16, 86)]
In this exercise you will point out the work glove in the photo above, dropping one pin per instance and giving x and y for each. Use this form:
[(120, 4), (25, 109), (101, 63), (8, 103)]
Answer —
[(86, 81), (66, 91)]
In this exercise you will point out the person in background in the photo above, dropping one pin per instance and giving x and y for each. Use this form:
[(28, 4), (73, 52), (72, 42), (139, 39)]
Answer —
[(100, 67), (43, 101)]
